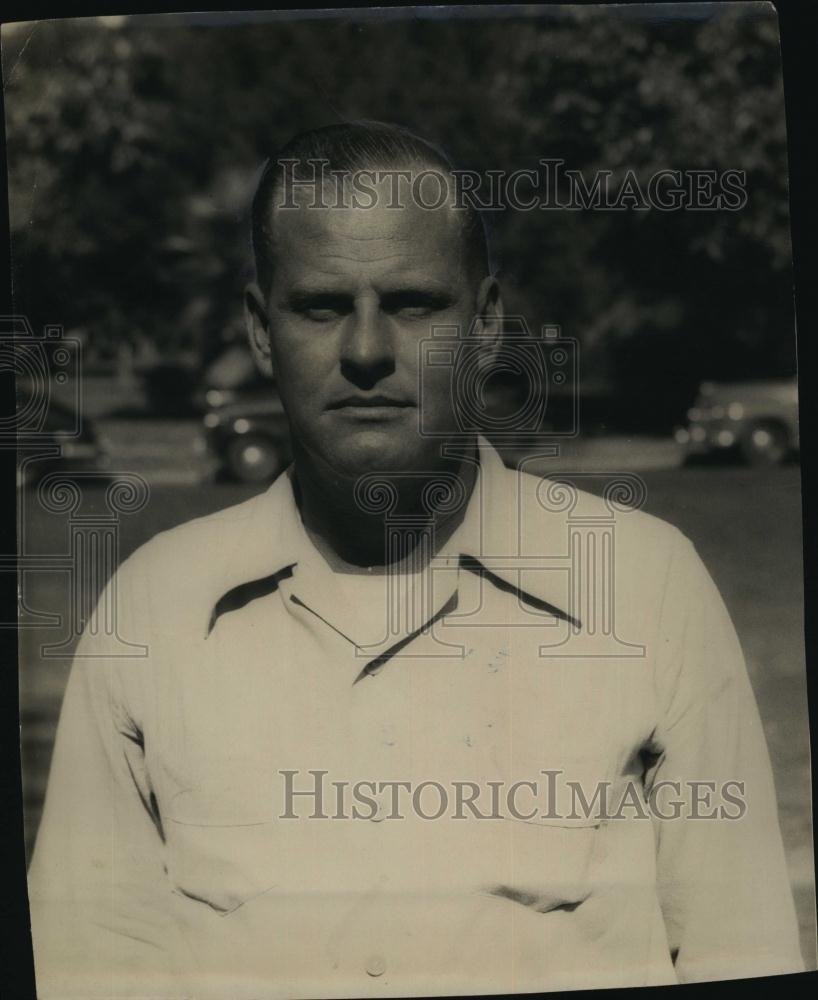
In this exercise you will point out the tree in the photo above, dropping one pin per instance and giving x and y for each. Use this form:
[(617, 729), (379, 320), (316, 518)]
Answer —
[(133, 148)]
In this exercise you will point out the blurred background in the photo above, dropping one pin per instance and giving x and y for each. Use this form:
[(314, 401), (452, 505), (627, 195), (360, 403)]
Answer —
[(133, 147)]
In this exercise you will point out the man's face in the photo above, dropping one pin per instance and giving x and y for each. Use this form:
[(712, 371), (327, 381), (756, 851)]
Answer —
[(354, 292)]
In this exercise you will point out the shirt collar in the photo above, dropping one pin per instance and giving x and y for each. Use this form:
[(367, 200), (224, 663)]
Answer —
[(491, 539), (510, 538)]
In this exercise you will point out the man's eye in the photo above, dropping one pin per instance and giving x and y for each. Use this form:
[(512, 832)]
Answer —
[(414, 312), (321, 309), (320, 315), (415, 306)]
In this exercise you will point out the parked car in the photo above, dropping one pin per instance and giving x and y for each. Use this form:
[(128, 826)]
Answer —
[(757, 421), (81, 448), (247, 436), (229, 378)]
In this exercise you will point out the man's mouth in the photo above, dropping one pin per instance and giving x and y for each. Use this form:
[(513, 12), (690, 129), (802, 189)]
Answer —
[(374, 407)]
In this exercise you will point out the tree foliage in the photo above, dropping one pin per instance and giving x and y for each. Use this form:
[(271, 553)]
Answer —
[(133, 148)]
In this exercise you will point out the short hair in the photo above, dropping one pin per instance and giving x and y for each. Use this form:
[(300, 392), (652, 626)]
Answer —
[(346, 147)]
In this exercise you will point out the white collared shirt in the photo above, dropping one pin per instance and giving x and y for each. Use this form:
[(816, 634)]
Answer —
[(554, 633)]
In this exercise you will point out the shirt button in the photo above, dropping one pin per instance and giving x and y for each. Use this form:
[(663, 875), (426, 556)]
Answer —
[(375, 965)]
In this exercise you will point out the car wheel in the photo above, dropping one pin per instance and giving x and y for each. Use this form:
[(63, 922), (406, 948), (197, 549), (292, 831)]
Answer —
[(765, 443), (253, 458)]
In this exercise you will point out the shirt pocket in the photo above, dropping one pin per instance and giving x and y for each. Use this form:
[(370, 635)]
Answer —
[(549, 864), (220, 840), (555, 843)]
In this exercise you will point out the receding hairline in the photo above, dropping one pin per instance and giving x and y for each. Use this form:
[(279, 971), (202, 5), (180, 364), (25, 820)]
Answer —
[(422, 159), (387, 200)]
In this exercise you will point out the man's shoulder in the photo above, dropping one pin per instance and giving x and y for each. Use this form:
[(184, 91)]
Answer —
[(185, 569), (603, 538), (608, 504), (201, 540)]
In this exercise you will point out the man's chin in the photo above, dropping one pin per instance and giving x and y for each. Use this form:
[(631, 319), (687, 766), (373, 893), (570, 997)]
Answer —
[(363, 454), (355, 464)]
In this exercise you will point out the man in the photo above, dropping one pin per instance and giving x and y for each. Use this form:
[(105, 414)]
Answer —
[(260, 806)]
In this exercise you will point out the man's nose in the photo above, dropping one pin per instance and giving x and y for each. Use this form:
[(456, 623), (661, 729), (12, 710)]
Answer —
[(367, 352)]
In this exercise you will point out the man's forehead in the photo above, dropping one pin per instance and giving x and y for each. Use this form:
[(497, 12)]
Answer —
[(368, 223)]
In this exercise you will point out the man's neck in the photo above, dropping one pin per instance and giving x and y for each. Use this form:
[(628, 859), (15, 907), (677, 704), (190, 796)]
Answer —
[(352, 539)]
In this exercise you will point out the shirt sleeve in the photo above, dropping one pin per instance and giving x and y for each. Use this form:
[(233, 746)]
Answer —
[(723, 883), (98, 892)]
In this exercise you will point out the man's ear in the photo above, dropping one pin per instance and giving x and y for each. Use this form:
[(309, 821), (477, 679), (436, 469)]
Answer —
[(489, 325), (257, 323)]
